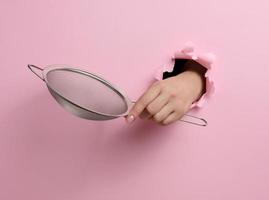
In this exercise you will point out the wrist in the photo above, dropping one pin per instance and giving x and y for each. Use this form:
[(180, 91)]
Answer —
[(198, 73), (196, 83)]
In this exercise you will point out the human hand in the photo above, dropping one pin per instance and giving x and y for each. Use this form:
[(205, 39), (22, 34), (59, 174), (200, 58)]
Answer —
[(166, 101)]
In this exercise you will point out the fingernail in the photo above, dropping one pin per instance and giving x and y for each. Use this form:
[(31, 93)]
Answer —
[(130, 119)]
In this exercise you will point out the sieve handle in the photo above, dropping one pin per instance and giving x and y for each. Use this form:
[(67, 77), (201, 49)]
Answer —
[(191, 119), (37, 71)]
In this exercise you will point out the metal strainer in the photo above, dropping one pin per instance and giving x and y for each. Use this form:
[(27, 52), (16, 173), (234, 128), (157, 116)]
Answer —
[(89, 96)]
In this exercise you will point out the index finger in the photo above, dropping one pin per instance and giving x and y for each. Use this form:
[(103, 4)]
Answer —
[(144, 101)]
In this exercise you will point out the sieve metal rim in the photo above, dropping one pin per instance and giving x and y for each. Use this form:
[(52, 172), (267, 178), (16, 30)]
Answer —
[(63, 67)]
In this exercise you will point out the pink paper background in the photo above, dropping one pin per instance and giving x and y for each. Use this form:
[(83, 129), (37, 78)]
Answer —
[(46, 153)]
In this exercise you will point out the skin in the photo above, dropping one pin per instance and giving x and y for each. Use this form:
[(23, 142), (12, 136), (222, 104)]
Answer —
[(166, 101)]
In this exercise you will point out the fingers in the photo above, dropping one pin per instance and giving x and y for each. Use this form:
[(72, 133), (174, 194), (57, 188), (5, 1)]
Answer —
[(171, 118), (174, 116), (143, 102), (155, 106), (163, 113), (157, 109), (167, 115)]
